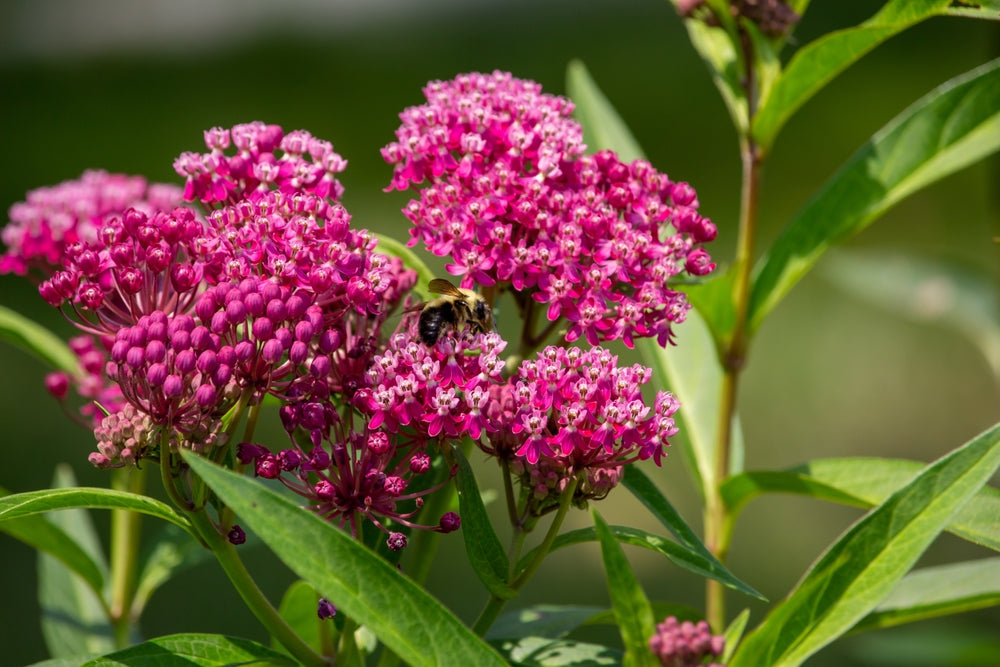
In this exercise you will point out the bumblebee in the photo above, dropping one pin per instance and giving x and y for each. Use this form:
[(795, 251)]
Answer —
[(456, 308)]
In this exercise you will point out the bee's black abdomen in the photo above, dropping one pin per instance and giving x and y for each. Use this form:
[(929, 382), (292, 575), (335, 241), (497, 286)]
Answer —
[(433, 320)]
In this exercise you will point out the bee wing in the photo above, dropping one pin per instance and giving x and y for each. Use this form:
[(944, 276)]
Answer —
[(442, 286)]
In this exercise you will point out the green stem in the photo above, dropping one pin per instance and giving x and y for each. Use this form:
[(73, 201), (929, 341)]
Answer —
[(126, 526), (495, 604), (255, 600), (717, 524)]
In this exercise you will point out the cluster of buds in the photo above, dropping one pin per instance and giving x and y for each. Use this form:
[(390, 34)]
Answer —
[(686, 644), (507, 193)]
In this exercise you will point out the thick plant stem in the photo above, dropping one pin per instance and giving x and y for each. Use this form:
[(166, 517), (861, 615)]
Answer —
[(125, 531), (255, 600), (717, 524)]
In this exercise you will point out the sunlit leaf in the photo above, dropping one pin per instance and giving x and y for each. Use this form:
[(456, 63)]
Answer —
[(486, 554), (544, 652), (193, 650), (946, 130), (542, 621), (938, 591), (816, 63), (859, 571), (35, 339), (950, 294), (643, 488), (390, 246), (631, 606), (50, 500), (414, 625), (976, 9), (75, 618), (865, 482)]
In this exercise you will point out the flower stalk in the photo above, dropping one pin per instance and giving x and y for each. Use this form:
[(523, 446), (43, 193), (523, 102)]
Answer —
[(125, 533)]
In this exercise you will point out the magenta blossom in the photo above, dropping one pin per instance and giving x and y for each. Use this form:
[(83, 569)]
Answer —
[(52, 218), (571, 411), (263, 158), (506, 192), (439, 391)]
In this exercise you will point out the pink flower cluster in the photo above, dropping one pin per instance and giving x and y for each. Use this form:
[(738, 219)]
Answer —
[(305, 165), (52, 218), (506, 192), (90, 382), (685, 644), (570, 411), (439, 391)]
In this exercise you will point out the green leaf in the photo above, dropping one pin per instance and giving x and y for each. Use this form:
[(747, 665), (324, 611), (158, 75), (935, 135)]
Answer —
[(713, 299), (75, 619), (862, 567), (414, 625), (390, 246), (692, 371), (173, 551), (865, 482), (938, 591), (691, 560), (950, 128), (35, 339), (49, 500), (542, 621), (647, 493), (733, 635), (976, 9), (544, 652), (298, 608), (950, 294), (631, 606), (715, 46), (486, 554), (189, 650), (815, 64), (603, 128), (41, 534)]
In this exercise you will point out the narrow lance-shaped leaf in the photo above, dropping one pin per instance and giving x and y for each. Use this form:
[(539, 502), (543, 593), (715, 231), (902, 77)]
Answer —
[(976, 9), (75, 618), (715, 45), (865, 482), (410, 622), (643, 488), (486, 554), (35, 339), (49, 500), (200, 650), (950, 128), (689, 559), (815, 64), (632, 610), (953, 295), (41, 534), (861, 568), (938, 591)]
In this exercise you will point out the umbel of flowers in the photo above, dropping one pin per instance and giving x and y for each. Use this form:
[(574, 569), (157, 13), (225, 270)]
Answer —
[(507, 193), (262, 287)]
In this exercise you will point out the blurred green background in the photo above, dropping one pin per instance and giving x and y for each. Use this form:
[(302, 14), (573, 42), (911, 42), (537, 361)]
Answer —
[(127, 87)]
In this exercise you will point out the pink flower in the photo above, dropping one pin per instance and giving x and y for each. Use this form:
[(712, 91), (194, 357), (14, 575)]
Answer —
[(52, 218), (507, 193), (264, 159), (571, 411)]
